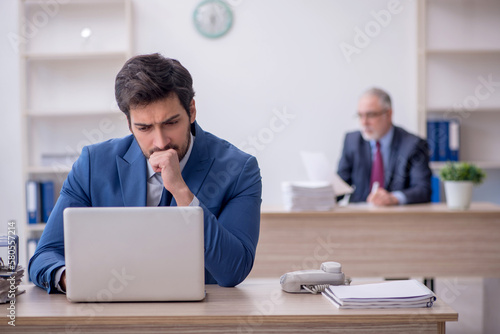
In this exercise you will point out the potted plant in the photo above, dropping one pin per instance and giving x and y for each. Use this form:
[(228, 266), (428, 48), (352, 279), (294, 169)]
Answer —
[(459, 178)]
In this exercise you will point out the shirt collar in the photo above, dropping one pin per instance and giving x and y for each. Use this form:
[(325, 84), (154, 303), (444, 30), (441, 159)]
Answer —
[(386, 140), (182, 163)]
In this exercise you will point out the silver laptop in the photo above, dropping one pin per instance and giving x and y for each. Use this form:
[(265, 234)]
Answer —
[(134, 254)]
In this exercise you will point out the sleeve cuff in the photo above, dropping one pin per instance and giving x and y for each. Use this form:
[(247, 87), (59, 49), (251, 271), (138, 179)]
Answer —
[(400, 196), (195, 201), (57, 278)]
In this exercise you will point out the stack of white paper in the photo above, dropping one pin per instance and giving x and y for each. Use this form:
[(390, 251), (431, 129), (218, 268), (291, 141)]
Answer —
[(391, 294), (9, 282), (319, 169), (308, 196), (10, 272)]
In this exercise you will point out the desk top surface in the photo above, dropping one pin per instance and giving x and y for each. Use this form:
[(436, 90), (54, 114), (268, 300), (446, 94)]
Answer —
[(260, 300), (367, 209)]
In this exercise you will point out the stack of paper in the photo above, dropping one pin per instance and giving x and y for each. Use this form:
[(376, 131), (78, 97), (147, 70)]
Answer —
[(391, 294), (319, 169), (308, 196), (10, 272), (9, 282)]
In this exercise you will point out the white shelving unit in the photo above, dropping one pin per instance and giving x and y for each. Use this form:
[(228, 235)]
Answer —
[(69, 59), (459, 71), (459, 76)]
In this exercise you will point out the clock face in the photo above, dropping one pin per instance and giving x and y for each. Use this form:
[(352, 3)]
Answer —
[(213, 18)]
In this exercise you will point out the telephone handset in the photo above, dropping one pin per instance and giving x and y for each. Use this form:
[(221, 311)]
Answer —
[(314, 281)]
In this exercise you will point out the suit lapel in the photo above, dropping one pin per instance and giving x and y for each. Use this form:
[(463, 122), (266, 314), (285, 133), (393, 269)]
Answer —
[(389, 175), (366, 152), (198, 165), (132, 171)]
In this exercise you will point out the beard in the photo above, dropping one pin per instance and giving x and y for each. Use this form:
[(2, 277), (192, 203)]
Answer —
[(370, 135), (367, 136)]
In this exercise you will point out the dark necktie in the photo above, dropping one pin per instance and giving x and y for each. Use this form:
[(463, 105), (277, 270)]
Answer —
[(166, 198), (377, 168)]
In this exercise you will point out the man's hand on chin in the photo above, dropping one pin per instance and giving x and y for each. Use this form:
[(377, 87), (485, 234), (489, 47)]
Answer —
[(167, 162), (382, 198)]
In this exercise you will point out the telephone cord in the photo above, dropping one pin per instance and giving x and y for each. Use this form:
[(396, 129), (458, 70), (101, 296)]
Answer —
[(314, 289)]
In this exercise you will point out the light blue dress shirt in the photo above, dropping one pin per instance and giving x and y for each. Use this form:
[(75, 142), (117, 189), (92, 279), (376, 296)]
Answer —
[(385, 148), (155, 182)]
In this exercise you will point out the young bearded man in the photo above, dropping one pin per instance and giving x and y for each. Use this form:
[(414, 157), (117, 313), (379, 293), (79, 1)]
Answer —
[(167, 160)]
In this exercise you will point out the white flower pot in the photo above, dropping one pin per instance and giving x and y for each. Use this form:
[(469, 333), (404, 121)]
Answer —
[(458, 194)]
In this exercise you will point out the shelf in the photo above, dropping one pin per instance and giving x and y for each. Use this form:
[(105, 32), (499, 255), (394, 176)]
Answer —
[(62, 85), (73, 2), (467, 82), (463, 51), (72, 113), (462, 24), (451, 111), (437, 165), (77, 55), (38, 227), (49, 170), (78, 29)]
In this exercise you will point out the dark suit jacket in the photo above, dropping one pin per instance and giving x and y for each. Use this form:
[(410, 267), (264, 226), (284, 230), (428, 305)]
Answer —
[(408, 169), (226, 181)]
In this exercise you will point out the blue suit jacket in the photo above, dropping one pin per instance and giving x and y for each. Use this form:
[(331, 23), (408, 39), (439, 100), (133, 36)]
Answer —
[(226, 180), (408, 169)]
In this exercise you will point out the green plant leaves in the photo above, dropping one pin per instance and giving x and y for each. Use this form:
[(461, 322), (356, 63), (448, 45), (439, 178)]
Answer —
[(462, 171)]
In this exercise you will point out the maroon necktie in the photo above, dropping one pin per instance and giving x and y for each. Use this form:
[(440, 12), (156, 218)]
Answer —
[(377, 168)]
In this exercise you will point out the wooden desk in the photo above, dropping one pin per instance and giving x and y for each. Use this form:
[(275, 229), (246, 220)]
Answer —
[(255, 306), (427, 240)]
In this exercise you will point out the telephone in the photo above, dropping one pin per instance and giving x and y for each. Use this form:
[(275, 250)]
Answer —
[(314, 281)]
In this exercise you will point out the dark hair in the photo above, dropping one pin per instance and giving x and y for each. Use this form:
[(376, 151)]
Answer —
[(149, 78)]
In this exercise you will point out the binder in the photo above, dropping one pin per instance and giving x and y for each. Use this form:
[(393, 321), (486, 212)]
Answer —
[(454, 140), (435, 189), (443, 140), (47, 199), (32, 202), (31, 244), (432, 129)]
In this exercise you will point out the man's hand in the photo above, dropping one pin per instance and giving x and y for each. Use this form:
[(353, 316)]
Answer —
[(62, 282), (167, 162), (382, 198)]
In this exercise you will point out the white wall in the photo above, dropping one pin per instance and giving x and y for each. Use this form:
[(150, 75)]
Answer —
[(284, 55), (280, 57), (11, 185)]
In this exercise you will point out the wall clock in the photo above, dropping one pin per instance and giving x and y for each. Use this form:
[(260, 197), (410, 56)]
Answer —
[(213, 18)]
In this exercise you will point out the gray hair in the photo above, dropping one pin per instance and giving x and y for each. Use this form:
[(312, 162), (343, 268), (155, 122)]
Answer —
[(382, 95)]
